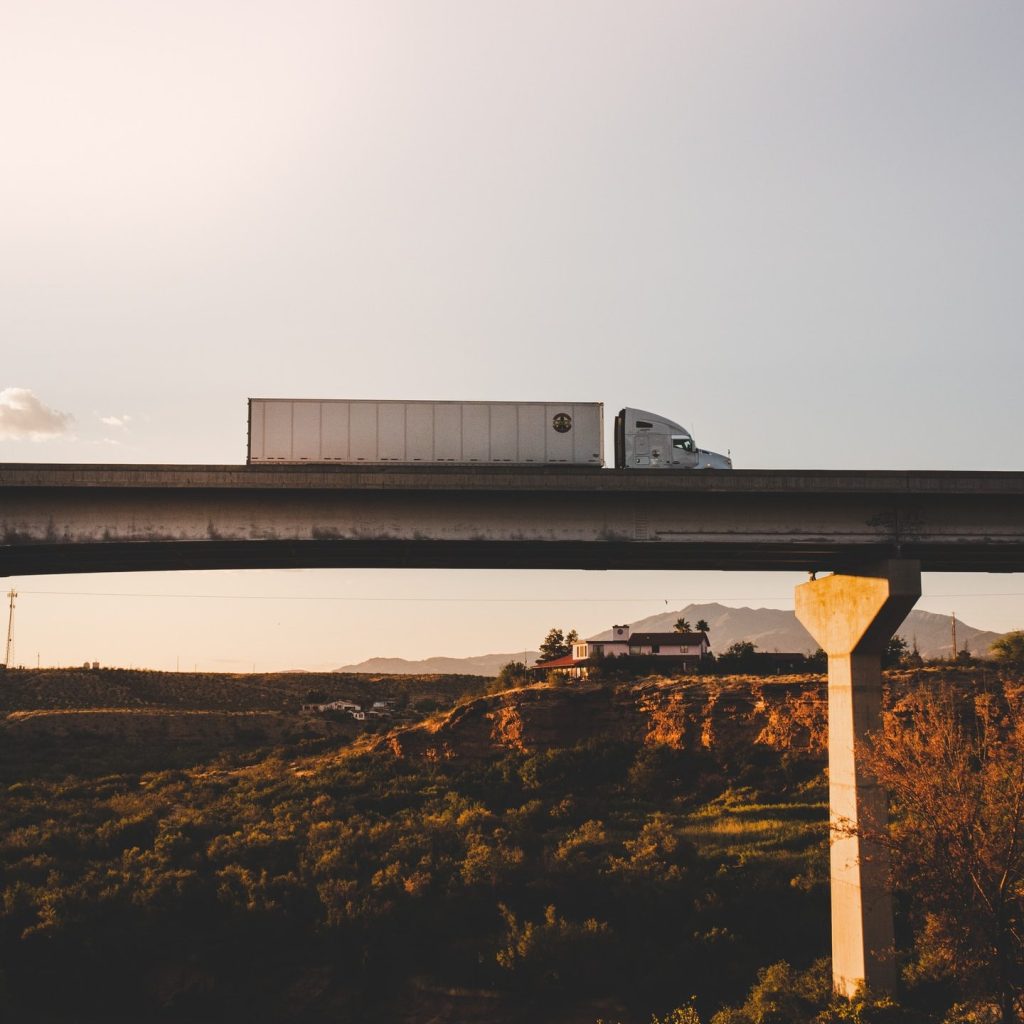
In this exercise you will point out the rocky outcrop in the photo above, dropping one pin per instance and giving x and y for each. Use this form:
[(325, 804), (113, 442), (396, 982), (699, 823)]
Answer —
[(533, 718), (733, 715), (728, 716)]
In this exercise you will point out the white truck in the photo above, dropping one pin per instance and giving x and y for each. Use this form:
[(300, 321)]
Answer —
[(353, 432)]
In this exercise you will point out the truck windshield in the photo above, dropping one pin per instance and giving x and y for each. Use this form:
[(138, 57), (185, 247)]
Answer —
[(685, 443)]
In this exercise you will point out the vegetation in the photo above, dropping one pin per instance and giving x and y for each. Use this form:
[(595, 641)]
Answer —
[(314, 879), (511, 676), (957, 785), (740, 657), (1008, 650), (683, 626), (557, 644), (896, 652)]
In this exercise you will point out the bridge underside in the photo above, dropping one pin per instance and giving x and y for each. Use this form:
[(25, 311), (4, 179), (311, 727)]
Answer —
[(71, 519), (140, 556)]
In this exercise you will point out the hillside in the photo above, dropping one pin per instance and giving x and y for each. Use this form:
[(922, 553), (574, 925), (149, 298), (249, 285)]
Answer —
[(322, 879), (66, 688), (553, 854), (91, 721)]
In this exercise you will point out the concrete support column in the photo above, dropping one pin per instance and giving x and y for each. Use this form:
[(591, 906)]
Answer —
[(853, 617)]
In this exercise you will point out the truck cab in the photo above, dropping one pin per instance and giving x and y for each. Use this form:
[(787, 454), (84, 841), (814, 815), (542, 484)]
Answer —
[(645, 440)]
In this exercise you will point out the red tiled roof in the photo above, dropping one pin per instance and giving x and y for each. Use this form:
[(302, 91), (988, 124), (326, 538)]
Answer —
[(567, 662)]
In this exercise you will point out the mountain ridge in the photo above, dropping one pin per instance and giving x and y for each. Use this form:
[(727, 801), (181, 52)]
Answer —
[(778, 629), (770, 629), (477, 665)]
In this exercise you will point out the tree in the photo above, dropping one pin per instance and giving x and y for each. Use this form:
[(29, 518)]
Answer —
[(818, 661), (739, 657), (895, 652), (1008, 650), (957, 840), (557, 644), (553, 645), (702, 626), (682, 626)]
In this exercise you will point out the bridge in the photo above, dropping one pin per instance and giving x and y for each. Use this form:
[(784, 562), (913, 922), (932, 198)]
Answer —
[(92, 518), (876, 531)]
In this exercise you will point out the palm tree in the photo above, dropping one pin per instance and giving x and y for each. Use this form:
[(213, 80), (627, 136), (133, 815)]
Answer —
[(682, 626), (702, 626)]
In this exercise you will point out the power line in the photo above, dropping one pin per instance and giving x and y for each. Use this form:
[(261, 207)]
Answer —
[(462, 600), (349, 597)]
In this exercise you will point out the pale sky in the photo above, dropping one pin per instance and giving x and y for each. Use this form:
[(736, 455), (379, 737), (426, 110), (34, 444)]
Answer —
[(796, 227)]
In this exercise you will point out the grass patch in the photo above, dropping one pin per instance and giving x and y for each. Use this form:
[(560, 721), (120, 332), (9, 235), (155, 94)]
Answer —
[(737, 824)]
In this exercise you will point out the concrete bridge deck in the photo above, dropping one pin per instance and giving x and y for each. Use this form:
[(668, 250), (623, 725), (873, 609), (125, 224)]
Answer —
[(60, 518)]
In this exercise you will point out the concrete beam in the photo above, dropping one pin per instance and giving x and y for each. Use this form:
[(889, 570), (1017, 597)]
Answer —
[(79, 518), (853, 617)]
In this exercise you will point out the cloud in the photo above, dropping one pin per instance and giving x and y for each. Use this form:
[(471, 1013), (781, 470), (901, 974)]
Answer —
[(24, 418), (115, 421)]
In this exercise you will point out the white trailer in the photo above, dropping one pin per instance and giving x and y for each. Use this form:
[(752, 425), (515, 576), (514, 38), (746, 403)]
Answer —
[(352, 432)]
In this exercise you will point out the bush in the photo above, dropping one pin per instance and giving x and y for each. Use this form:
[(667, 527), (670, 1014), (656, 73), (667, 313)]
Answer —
[(554, 950), (783, 995), (510, 677)]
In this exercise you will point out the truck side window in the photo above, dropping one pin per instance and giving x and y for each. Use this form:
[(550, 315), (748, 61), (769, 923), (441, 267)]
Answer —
[(685, 443), (644, 425)]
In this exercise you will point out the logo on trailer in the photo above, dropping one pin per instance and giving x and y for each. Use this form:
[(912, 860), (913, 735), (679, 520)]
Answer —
[(562, 422)]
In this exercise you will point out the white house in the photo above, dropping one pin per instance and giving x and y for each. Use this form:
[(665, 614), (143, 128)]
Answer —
[(685, 649)]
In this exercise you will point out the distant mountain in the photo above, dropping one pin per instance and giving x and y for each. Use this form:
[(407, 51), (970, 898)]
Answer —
[(770, 629), (482, 665), (774, 629)]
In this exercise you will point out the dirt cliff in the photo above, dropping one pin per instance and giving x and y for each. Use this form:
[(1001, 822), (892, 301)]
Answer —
[(729, 717), (722, 715)]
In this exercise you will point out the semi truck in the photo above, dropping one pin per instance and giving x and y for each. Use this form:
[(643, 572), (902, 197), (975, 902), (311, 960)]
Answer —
[(359, 432)]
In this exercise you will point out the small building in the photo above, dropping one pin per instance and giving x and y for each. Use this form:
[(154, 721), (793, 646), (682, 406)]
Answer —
[(340, 705), (347, 706)]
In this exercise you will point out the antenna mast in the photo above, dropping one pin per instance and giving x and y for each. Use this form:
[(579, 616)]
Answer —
[(11, 594), (953, 623)]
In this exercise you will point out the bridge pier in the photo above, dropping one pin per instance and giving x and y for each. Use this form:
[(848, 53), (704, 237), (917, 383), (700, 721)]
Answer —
[(853, 617)]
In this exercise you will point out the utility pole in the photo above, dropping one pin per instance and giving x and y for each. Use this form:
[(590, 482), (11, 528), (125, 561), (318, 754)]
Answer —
[(11, 594), (953, 623)]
